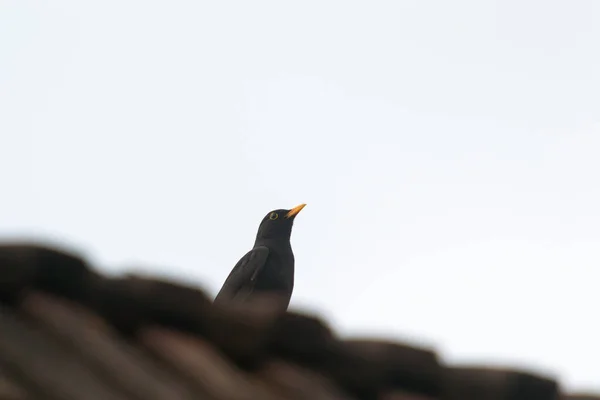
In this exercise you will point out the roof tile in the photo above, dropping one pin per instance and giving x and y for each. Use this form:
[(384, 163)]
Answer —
[(71, 333)]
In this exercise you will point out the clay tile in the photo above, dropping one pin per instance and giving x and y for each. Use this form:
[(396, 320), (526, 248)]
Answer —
[(131, 302), (49, 367), (497, 384), (296, 382), (10, 389), (134, 302), (302, 339), (242, 332), (99, 346), (394, 365), (309, 342), (25, 266), (199, 361)]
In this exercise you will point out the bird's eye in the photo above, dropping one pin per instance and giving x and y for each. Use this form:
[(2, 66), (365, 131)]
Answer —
[(273, 216)]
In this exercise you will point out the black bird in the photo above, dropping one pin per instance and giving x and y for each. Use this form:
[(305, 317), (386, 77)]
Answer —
[(269, 267)]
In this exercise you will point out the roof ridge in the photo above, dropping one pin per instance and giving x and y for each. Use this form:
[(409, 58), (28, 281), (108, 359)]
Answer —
[(253, 336)]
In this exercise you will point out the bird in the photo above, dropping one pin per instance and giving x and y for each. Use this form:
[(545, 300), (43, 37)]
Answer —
[(267, 269)]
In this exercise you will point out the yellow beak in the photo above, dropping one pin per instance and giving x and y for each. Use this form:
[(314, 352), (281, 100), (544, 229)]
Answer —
[(295, 211)]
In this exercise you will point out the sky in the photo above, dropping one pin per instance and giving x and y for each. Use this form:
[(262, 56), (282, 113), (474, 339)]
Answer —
[(447, 151)]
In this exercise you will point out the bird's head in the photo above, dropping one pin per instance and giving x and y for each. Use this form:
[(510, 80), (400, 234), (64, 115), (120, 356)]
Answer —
[(277, 224)]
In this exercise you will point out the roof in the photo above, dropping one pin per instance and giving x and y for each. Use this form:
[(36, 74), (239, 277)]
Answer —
[(69, 332)]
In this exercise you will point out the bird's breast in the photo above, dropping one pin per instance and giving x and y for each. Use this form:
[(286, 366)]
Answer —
[(278, 272)]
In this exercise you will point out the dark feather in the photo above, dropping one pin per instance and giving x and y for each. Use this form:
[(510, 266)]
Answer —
[(242, 279)]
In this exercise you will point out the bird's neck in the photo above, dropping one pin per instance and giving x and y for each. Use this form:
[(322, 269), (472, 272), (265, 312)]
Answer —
[(273, 243)]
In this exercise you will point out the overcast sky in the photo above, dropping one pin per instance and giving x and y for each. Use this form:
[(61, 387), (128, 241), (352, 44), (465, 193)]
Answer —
[(448, 153)]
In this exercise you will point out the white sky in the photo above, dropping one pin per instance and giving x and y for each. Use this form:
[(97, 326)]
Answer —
[(448, 153)]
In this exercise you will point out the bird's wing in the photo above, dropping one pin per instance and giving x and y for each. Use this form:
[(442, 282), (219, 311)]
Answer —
[(242, 277)]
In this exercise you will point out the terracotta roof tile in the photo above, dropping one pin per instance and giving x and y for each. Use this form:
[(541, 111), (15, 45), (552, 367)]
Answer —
[(97, 343), (10, 389), (47, 365), (71, 333), (497, 384)]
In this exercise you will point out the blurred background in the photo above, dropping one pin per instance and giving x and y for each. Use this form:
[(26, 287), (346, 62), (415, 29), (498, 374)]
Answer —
[(448, 153)]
